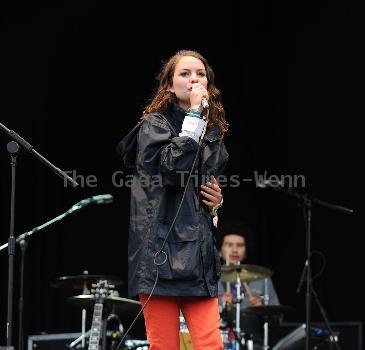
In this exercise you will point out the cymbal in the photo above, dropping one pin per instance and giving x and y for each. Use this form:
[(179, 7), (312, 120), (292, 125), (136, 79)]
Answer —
[(76, 283), (268, 310), (246, 272), (118, 305)]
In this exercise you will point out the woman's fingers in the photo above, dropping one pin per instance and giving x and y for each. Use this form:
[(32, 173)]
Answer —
[(212, 193)]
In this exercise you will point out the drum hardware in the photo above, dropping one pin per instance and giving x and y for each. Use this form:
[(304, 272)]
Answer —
[(246, 272), (80, 282), (266, 312), (113, 304), (242, 275), (239, 298)]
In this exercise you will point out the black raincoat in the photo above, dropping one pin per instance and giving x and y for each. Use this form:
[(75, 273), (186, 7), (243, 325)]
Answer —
[(161, 160)]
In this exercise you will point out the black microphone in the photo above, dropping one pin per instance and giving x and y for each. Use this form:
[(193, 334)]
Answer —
[(98, 199), (102, 199)]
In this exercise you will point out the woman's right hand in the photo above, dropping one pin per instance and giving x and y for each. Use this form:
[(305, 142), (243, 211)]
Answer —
[(198, 91)]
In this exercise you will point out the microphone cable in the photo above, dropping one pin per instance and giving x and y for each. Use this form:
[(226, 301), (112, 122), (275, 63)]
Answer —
[(161, 251)]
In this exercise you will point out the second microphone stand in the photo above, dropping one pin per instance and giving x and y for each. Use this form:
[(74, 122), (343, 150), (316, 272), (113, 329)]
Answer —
[(23, 240), (307, 203), (13, 148)]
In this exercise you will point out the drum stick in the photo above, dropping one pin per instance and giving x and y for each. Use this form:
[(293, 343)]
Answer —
[(248, 290), (228, 285)]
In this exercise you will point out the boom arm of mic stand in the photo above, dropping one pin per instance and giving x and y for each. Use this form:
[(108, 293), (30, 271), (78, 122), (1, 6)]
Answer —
[(306, 198), (28, 147), (74, 208)]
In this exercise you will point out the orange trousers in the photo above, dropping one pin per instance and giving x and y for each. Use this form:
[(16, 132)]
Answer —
[(162, 322)]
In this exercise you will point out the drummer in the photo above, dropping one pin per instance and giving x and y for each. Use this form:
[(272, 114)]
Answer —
[(234, 241)]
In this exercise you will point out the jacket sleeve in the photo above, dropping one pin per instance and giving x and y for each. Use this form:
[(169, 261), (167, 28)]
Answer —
[(160, 153), (273, 297), (215, 158)]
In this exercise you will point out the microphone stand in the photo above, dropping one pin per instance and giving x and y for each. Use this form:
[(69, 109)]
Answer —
[(23, 242), (13, 149), (307, 202)]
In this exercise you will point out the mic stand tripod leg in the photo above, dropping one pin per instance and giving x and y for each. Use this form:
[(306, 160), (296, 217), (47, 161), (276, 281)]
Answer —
[(83, 330), (80, 338)]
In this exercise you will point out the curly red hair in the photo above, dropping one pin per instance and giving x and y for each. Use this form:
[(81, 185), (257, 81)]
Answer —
[(163, 98)]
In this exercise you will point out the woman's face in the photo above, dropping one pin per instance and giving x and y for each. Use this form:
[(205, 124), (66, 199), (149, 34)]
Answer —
[(189, 70)]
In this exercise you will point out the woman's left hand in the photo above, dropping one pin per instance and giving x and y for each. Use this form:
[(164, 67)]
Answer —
[(212, 193)]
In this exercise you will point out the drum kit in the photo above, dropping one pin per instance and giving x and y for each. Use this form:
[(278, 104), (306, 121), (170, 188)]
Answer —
[(98, 293), (234, 338)]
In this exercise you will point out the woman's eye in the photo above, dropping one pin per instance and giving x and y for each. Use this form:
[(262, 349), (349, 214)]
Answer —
[(202, 74), (184, 74)]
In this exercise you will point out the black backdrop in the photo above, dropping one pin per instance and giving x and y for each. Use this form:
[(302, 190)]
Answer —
[(75, 77)]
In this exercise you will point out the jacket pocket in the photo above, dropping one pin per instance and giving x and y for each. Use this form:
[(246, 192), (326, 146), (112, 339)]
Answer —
[(183, 251)]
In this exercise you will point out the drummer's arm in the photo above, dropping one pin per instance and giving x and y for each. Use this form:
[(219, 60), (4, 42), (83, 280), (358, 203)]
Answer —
[(227, 299), (255, 300), (273, 297)]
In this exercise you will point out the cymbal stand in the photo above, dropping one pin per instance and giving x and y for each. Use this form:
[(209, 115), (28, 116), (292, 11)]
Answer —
[(266, 323), (238, 312)]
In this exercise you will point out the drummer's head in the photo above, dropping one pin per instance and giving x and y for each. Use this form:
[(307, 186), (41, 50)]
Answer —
[(234, 238)]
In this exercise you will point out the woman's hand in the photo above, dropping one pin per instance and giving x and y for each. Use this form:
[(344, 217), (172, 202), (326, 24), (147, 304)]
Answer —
[(212, 193), (198, 91)]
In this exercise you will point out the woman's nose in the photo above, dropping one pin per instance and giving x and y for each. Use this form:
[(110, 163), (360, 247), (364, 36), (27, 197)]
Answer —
[(194, 78)]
